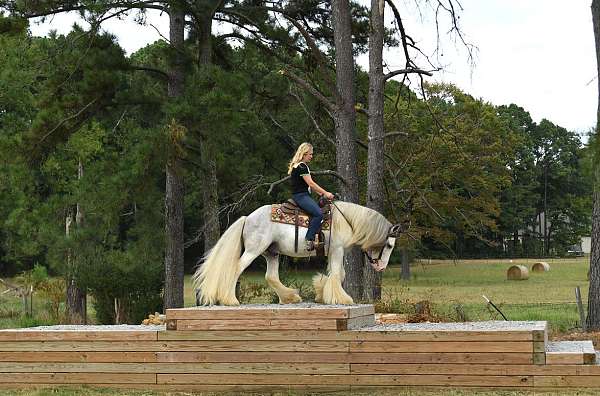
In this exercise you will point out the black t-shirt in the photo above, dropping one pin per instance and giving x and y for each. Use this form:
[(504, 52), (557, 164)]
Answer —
[(298, 183)]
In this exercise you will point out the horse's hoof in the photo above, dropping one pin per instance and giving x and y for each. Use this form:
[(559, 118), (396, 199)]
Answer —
[(293, 299), (342, 301)]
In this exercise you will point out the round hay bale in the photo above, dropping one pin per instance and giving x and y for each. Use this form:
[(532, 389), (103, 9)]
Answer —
[(517, 272), (540, 267)]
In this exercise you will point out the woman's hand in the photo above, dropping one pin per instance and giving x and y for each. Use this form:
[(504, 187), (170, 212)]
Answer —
[(329, 195)]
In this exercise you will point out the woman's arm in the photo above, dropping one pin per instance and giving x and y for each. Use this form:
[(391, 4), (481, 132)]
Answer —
[(315, 187)]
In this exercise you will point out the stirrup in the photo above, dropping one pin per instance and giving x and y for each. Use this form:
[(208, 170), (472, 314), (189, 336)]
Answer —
[(312, 245)]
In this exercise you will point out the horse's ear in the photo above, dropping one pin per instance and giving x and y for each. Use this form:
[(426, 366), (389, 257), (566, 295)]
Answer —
[(399, 228)]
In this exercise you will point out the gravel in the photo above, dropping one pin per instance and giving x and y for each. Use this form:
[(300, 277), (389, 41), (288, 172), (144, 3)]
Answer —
[(92, 328), (303, 305), (570, 346), (467, 326)]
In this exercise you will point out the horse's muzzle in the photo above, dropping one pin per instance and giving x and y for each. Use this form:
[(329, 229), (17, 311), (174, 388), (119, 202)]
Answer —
[(377, 265)]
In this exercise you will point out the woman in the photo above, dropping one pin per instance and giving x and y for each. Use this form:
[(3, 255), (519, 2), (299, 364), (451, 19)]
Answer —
[(302, 185)]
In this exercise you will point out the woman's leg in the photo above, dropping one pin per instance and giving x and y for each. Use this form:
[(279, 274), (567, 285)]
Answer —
[(307, 204)]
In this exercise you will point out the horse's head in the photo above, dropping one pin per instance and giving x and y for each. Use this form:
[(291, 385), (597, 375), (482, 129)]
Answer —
[(379, 256)]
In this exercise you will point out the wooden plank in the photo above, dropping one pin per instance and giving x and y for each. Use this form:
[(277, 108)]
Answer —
[(471, 369), (146, 346), (352, 335), (444, 380), (539, 358), (255, 324), (285, 389), (77, 378), (539, 346), (434, 357), (254, 335), (199, 368), (355, 323), (254, 379), (24, 335), (540, 335), (269, 312), (459, 336), (564, 358), (89, 357), (564, 381), (249, 357), (446, 346)]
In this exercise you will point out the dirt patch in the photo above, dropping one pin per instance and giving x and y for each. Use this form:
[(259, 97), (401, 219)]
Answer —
[(578, 336), (390, 318)]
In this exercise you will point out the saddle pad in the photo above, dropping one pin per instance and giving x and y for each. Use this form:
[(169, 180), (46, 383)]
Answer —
[(278, 216)]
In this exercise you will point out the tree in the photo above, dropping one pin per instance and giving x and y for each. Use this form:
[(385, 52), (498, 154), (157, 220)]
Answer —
[(593, 316), (454, 167)]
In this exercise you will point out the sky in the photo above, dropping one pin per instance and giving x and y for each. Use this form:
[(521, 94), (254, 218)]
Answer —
[(538, 54)]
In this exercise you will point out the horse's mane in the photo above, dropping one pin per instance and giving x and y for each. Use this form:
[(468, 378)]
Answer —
[(368, 227)]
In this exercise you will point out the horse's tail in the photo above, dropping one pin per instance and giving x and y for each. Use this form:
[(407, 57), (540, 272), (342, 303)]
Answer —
[(214, 281)]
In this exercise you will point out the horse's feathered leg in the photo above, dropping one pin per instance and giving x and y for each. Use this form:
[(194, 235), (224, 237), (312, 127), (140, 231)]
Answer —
[(319, 281), (333, 293), (286, 295)]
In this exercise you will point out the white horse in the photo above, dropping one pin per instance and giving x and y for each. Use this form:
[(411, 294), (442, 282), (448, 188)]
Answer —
[(254, 235)]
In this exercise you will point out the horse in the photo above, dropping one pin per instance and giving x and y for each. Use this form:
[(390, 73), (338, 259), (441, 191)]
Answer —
[(254, 235)]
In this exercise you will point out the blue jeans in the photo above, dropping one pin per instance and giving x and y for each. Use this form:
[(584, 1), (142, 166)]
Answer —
[(309, 205)]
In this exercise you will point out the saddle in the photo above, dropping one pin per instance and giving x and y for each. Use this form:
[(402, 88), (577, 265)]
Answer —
[(290, 213)]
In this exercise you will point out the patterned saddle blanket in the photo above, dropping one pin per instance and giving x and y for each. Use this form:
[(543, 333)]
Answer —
[(286, 213)]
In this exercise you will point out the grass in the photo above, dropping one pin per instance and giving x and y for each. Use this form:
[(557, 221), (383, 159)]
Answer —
[(544, 296)]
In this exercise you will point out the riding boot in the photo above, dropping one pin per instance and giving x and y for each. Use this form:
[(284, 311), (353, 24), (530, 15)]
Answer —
[(310, 245)]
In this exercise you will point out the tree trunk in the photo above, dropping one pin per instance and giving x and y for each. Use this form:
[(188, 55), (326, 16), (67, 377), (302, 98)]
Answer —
[(345, 132), (173, 292), (593, 318), (76, 300), (375, 165), (405, 270), (546, 247), (210, 208)]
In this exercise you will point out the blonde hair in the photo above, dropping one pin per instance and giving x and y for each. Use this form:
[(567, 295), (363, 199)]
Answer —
[(297, 158)]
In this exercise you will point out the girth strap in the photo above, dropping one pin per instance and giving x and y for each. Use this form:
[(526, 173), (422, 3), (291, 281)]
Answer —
[(296, 226)]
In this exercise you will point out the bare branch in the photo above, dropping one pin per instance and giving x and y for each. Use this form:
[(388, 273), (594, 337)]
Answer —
[(311, 89), (395, 133), (315, 123), (318, 173), (406, 71), (151, 70), (68, 118)]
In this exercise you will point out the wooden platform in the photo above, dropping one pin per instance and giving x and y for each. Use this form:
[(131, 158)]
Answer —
[(297, 347)]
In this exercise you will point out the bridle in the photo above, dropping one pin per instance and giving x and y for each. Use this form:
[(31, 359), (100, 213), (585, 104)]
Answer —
[(391, 231), (371, 260)]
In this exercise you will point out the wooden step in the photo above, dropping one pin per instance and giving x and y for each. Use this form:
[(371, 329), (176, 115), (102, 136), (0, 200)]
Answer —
[(570, 352), (304, 316)]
